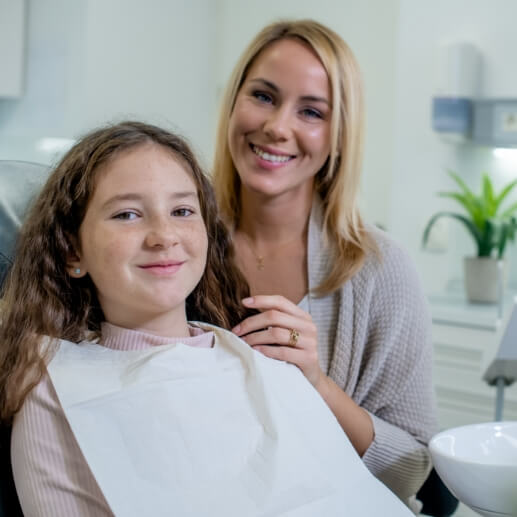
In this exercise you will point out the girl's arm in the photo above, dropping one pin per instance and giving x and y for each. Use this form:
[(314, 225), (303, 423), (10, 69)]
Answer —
[(50, 473)]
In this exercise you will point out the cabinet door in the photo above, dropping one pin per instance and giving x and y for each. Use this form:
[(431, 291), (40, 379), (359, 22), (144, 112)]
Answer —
[(12, 39), (461, 356)]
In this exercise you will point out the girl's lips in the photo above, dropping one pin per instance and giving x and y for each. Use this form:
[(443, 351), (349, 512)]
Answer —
[(162, 268)]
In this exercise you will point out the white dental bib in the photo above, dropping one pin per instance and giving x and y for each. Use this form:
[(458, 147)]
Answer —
[(182, 431)]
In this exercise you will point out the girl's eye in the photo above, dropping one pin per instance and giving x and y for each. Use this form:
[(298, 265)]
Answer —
[(182, 212), (126, 216), (262, 97), (311, 113)]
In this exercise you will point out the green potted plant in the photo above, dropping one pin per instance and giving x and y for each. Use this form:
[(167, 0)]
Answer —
[(490, 226)]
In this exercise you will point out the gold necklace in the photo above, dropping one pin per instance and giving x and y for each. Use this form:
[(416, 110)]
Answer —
[(259, 259)]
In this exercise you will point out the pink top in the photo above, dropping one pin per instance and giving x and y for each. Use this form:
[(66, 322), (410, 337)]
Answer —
[(51, 475)]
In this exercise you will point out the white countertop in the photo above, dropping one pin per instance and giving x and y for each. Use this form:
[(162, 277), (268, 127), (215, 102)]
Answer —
[(453, 309)]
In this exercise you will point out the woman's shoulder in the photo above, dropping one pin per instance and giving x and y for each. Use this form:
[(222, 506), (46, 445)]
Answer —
[(386, 249), (388, 262)]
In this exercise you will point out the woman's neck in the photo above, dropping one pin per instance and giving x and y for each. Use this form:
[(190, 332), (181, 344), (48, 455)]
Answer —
[(274, 220)]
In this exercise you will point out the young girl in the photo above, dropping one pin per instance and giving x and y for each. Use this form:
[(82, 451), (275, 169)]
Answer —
[(120, 405)]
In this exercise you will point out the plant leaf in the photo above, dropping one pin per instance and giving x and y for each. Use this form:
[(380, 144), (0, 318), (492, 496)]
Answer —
[(506, 190), (509, 211), (471, 205), (471, 227), (489, 203), (461, 184)]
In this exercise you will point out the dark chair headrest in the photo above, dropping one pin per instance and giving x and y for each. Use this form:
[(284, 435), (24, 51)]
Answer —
[(20, 182)]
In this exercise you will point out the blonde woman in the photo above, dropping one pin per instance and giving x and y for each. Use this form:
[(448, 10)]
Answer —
[(337, 297)]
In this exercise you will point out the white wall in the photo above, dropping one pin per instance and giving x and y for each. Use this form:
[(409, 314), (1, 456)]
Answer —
[(90, 61), (369, 27), (420, 157)]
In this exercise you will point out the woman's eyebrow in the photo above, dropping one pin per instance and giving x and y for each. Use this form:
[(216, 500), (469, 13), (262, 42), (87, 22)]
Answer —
[(274, 87)]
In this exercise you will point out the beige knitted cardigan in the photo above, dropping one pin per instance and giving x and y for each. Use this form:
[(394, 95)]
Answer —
[(374, 342)]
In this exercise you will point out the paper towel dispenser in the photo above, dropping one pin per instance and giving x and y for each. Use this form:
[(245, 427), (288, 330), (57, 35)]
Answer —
[(459, 111), (490, 122)]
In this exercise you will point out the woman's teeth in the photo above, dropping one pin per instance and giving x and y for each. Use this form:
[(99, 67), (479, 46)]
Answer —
[(270, 157)]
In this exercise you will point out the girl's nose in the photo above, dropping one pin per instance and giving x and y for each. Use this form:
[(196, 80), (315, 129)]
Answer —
[(162, 234), (278, 125)]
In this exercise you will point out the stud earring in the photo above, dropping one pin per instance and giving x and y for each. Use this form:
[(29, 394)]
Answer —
[(77, 270)]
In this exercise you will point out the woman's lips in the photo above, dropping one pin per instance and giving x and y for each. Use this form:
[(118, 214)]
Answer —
[(270, 159)]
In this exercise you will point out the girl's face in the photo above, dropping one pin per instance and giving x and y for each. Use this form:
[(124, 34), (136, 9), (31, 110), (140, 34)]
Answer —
[(143, 240), (279, 131)]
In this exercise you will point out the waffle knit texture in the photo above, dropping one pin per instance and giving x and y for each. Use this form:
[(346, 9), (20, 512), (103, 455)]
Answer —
[(374, 342)]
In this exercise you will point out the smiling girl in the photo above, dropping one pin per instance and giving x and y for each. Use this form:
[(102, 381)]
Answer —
[(115, 250)]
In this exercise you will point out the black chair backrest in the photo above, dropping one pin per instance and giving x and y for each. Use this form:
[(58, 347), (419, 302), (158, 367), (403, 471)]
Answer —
[(19, 183)]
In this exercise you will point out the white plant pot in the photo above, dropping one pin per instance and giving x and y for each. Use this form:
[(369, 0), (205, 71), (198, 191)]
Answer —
[(482, 282)]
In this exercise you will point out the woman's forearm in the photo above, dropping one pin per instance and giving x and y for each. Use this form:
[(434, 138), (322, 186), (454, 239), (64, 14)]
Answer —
[(354, 420)]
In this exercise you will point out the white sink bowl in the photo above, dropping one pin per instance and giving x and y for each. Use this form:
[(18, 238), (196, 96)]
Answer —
[(478, 463)]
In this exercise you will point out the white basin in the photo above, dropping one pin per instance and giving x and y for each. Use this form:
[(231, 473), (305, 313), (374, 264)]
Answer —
[(478, 463)]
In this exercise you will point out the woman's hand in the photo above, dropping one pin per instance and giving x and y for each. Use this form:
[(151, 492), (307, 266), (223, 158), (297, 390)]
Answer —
[(282, 331), (271, 332)]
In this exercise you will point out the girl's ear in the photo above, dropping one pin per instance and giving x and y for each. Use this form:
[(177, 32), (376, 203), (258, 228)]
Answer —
[(75, 270), (74, 265)]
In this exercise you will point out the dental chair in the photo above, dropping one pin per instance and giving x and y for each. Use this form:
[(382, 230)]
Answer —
[(436, 498), (19, 183)]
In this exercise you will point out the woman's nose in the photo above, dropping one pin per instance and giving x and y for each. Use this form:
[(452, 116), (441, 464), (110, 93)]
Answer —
[(162, 234), (278, 125)]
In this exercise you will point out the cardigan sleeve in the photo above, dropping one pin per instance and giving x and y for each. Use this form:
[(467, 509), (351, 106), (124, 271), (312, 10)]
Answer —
[(396, 374)]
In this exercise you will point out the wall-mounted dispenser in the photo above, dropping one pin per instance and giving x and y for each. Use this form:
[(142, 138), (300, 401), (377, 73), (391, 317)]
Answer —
[(459, 114), (459, 75)]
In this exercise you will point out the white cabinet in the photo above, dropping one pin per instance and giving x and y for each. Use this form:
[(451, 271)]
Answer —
[(466, 339), (462, 353), (12, 46)]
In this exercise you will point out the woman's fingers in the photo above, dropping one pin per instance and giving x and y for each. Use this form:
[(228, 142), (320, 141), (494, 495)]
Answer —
[(276, 320), (283, 331), (275, 302), (277, 336)]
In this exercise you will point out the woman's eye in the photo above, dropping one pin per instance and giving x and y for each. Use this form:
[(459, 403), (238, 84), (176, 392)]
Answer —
[(311, 113), (126, 216), (262, 96), (182, 212)]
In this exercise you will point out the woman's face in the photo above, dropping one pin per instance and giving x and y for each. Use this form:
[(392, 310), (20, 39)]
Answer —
[(279, 131), (143, 240)]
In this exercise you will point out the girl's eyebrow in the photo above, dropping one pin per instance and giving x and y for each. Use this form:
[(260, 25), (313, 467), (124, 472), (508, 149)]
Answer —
[(133, 196), (274, 87)]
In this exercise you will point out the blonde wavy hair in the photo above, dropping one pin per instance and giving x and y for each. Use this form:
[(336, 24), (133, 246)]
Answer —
[(338, 181)]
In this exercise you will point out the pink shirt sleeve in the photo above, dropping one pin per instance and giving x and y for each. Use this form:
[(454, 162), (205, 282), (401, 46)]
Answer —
[(51, 475)]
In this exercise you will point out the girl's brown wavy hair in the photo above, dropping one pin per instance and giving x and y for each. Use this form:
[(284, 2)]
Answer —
[(41, 299)]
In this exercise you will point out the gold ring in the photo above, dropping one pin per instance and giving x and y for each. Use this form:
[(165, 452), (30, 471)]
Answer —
[(293, 337)]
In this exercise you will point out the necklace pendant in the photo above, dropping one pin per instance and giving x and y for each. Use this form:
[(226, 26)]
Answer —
[(260, 263)]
